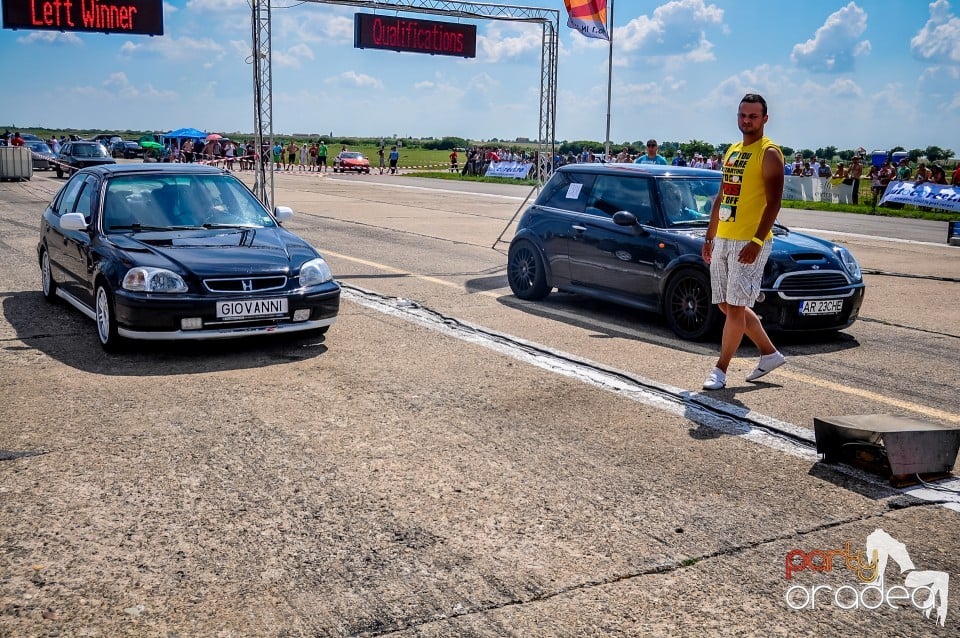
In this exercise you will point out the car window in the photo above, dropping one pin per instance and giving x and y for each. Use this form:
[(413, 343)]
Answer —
[(86, 198), (687, 202), (68, 197), (566, 190), (66, 149), (181, 200), (613, 193)]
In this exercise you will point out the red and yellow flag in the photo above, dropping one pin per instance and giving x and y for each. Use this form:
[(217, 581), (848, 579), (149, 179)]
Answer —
[(589, 17)]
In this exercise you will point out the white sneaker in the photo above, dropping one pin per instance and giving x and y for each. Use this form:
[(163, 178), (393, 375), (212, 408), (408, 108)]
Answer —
[(716, 380), (768, 363)]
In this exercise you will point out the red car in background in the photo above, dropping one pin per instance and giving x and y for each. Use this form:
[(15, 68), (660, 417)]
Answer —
[(351, 161)]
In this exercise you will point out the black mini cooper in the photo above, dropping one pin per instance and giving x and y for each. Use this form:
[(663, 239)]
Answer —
[(179, 251), (633, 234)]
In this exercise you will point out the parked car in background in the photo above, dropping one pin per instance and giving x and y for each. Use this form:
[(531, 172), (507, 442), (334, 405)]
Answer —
[(351, 161), (633, 234), (179, 252), (127, 149), (41, 155), (76, 155)]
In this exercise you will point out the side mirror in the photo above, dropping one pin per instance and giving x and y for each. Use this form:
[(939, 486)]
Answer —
[(73, 221), (283, 213), (624, 218)]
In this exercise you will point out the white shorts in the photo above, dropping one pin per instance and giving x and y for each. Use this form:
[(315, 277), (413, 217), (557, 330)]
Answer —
[(734, 283)]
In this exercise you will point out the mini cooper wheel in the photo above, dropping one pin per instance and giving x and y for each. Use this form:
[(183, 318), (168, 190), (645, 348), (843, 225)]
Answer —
[(106, 320), (687, 306), (46, 278), (526, 272)]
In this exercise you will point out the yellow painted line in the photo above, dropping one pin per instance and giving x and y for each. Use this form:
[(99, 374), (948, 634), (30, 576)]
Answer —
[(873, 396), (397, 271), (796, 376)]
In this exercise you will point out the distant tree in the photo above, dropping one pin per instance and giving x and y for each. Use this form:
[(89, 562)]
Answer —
[(787, 151), (348, 141), (806, 153), (846, 155), (935, 153), (446, 144), (827, 152), (693, 147), (895, 149), (915, 154), (576, 146)]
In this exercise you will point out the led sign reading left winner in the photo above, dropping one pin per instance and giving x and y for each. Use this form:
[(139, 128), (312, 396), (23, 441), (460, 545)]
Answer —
[(144, 17), (415, 36)]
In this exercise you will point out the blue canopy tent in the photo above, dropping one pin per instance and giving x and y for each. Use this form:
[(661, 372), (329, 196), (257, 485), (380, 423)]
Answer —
[(182, 134)]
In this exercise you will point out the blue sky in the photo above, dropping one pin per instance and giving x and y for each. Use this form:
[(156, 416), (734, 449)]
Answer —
[(871, 73)]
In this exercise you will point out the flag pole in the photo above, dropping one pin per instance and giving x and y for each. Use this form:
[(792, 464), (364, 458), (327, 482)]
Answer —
[(606, 149)]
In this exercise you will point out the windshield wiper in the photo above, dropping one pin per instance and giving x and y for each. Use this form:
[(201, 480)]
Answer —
[(145, 227), (691, 222), (231, 226)]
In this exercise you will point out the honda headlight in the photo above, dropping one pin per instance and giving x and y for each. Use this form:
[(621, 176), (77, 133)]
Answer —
[(850, 263), (147, 279), (316, 271)]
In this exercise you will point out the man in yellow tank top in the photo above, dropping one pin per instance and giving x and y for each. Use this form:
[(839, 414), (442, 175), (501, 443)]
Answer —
[(738, 240)]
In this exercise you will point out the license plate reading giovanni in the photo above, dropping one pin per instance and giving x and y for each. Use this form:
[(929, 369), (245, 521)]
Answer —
[(821, 306), (246, 308)]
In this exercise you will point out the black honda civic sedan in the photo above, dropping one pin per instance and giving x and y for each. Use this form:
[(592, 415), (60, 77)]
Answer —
[(179, 251), (633, 234)]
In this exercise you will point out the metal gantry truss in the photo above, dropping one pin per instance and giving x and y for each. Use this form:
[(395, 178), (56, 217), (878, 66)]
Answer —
[(262, 103), (549, 19)]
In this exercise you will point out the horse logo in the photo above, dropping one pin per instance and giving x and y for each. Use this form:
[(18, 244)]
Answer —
[(882, 547)]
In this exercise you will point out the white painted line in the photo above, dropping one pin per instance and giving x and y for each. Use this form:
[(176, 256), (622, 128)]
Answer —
[(427, 188), (898, 240), (693, 406)]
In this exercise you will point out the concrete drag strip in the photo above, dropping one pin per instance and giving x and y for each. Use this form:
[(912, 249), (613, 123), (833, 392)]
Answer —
[(697, 408)]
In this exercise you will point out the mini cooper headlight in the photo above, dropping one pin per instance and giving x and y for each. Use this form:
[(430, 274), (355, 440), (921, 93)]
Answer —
[(850, 263), (147, 279), (316, 271)]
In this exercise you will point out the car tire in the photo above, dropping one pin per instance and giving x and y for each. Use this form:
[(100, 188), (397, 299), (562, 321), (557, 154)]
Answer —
[(48, 285), (110, 341), (526, 272), (687, 306)]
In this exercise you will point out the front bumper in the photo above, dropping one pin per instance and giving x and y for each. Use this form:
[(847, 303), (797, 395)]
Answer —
[(784, 314), (151, 316)]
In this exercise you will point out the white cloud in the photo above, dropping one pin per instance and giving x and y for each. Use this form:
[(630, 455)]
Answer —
[(118, 85), (293, 56), (354, 79), (303, 25), (50, 37), (939, 39), (834, 47), (169, 9), (676, 29), (218, 5), (181, 50), (501, 42)]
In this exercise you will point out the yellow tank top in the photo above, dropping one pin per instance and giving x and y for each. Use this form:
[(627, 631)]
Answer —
[(744, 197)]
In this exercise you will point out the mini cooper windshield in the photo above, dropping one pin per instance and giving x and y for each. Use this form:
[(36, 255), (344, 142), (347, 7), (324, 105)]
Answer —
[(176, 202), (687, 202)]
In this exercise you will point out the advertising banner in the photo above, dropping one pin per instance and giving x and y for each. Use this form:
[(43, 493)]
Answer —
[(939, 196), (517, 170), (820, 189)]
